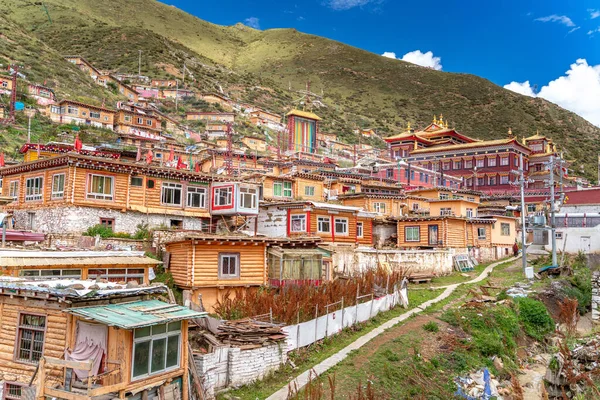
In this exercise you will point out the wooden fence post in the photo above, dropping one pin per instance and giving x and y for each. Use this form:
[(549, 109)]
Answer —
[(316, 321)]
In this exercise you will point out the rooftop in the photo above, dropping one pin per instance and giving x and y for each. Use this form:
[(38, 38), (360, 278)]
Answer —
[(20, 258)]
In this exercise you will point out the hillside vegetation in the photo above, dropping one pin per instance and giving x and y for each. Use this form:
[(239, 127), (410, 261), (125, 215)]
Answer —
[(359, 88)]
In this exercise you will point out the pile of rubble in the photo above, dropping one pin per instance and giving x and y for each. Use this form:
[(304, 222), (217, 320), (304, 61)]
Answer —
[(570, 371), (248, 332), (481, 385), (519, 289)]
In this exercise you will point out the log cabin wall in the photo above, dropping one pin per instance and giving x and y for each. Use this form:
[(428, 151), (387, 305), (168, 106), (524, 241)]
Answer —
[(451, 232), (55, 336)]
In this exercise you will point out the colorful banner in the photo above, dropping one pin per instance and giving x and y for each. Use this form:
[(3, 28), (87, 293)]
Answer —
[(305, 134)]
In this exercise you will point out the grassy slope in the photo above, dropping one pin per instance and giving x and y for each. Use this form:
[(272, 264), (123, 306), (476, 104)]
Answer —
[(360, 88)]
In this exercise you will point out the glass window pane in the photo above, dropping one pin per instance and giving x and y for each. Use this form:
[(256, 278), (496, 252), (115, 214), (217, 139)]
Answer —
[(173, 351), (142, 332), (141, 356), (159, 347), (158, 329), (174, 326)]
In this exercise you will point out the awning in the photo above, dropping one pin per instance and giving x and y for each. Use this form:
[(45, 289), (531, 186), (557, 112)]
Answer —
[(136, 314)]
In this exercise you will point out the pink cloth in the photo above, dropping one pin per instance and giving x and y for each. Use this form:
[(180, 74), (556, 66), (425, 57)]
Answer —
[(89, 345)]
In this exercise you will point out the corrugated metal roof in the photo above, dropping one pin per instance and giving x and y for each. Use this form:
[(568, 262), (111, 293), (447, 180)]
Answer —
[(137, 314), (17, 259)]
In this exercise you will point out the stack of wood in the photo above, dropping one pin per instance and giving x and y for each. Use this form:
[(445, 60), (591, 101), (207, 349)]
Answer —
[(248, 333)]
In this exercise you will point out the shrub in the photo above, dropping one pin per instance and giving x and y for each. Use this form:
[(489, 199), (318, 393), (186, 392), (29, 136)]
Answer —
[(142, 231), (431, 326), (99, 230), (534, 317)]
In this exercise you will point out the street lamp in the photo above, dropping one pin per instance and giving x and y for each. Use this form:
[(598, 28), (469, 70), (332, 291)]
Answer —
[(30, 112)]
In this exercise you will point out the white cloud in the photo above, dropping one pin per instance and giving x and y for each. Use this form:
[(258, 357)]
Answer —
[(423, 59), (340, 5), (574, 29), (252, 22), (594, 31), (521, 88), (561, 19), (594, 13), (389, 54), (577, 90)]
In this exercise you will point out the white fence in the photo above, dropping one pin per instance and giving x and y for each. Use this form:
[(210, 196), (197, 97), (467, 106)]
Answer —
[(306, 333)]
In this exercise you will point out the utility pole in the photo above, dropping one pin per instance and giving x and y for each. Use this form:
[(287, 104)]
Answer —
[(552, 199), (521, 182), (183, 74), (140, 63), (176, 95)]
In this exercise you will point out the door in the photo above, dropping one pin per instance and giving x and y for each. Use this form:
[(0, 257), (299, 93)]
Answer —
[(433, 235), (585, 244)]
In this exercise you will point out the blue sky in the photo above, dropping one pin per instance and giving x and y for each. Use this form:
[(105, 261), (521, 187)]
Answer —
[(503, 41)]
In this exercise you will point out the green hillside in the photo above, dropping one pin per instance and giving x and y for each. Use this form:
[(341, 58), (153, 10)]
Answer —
[(359, 88)]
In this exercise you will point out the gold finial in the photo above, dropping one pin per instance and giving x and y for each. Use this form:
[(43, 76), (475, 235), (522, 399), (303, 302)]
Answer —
[(408, 126), (441, 120), (524, 140), (446, 124), (434, 119), (510, 134)]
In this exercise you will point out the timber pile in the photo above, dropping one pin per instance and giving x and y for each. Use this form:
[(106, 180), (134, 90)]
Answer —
[(248, 333)]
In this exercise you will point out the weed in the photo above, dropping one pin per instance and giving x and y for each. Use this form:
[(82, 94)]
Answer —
[(534, 317), (431, 326)]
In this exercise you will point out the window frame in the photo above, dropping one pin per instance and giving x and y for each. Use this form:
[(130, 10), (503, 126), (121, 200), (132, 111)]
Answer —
[(469, 213), (309, 190), (446, 211), (18, 336), (7, 396), (502, 226), (479, 235), (491, 161), (196, 190), (171, 186), (105, 222), (360, 233), (504, 180), (246, 192), (298, 217), (151, 338), (34, 197), (237, 258), (345, 222), (504, 161), (217, 196), (58, 194), (322, 220), (15, 195), (411, 228), (95, 115), (377, 207), (141, 178), (89, 195)]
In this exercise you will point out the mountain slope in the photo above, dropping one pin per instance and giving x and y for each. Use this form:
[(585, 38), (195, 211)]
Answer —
[(359, 88)]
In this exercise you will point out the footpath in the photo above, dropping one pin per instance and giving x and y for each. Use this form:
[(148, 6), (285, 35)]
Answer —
[(301, 380)]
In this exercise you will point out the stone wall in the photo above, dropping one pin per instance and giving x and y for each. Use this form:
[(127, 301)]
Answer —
[(432, 262), (232, 367), (78, 241), (596, 296), (79, 219)]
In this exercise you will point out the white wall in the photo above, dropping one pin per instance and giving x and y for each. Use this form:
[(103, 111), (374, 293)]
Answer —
[(272, 222), (574, 241)]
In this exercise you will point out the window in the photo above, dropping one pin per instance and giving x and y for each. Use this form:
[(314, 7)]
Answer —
[(94, 115), (149, 122), (156, 349), (481, 233), (229, 265), (480, 163), (444, 196), (492, 180), (44, 273), (446, 166), (128, 118), (379, 207), (298, 223), (196, 197), (223, 196), (469, 213), (117, 274), (456, 164), (531, 207), (515, 161), (309, 190), (558, 235), (55, 110), (446, 211), (34, 188), (505, 229), (100, 187), (468, 164), (58, 186), (282, 189), (480, 181), (248, 197), (323, 224), (359, 229), (140, 121), (137, 181), (471, 199), (108, 223), (150, 182), (176, 223), (415, 206), (30, 337), (491, 162), (13, 391), (341, 226), (13, 190), (503, 160), (412, 234), (504, 180), (72, 110)]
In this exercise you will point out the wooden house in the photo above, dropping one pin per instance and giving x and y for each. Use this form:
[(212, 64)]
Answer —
[(114, 266), (216, 98), (213, 266), (71, 192), (37, 151), (6, 84), (333, 223), (210, 116), (179, 93), (255, 143), (134, 120), (388, 205), (43, 95), (85, 66), (74, 112), (57, 337), (163, 83), (262, 117), (234, 198)]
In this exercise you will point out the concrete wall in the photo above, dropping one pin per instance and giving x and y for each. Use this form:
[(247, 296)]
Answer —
[(272, 222), (79, 219), (596, 296), (584, 239), (434, 262), (581, 208), (232, 367)]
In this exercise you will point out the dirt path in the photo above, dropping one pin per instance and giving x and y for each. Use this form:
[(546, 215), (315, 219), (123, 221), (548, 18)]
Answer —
[(301, 380)]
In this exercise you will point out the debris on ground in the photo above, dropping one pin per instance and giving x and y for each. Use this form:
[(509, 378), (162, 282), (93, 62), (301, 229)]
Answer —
[(248, 333), (519, 289), (480, 385), (570, 371)]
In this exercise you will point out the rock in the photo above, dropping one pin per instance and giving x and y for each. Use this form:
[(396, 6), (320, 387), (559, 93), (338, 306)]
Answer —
[(94, 287), (77, 286), (498, 364), (132, 284)]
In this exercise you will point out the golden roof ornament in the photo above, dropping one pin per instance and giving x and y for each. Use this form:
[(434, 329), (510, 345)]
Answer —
[(408, 126), (442, 119), (446, 124), (510, 134), (434, 119)]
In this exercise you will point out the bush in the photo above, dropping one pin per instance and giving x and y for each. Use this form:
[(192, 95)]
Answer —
[(534, 317), (142, 232), (431, 326), (99, 230)]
